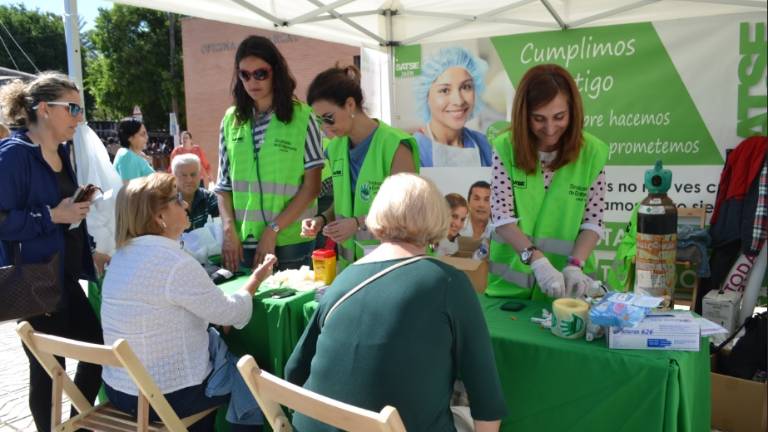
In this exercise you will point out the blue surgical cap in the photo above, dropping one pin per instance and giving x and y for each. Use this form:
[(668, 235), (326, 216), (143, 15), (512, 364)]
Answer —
[(435, 65)]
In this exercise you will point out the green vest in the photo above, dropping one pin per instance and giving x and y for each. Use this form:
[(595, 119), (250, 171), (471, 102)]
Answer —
[(376, 167), (621, 274), (264, 184), (551, 220)]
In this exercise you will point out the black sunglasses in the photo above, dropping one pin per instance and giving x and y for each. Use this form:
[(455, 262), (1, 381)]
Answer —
[(259, 74), (74, 109), (327, 118)]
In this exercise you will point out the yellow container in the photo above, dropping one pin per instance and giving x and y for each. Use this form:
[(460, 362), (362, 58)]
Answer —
[(324, 263)]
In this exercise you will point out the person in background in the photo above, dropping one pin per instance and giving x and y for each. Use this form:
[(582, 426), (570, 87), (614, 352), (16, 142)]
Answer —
[(479, 200), (187, 147), (160, 300), (365, 354), (550, 218), (270, 162), (37, 214), (112, 148), (130, 161), (448, 92), (201, 202), (459, 211), (4, 131), (362, 153)]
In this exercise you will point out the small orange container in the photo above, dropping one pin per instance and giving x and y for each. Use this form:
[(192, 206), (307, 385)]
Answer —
[(324, 263)]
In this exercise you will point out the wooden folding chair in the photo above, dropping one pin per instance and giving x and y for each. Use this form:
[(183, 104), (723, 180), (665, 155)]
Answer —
[(271, 392), (103, 417)]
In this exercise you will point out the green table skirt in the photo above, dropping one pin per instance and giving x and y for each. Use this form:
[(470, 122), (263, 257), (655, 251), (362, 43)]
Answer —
[(555, 384)]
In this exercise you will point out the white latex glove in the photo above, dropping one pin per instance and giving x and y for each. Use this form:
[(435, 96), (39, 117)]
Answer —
[(576, 282), (549, 279)]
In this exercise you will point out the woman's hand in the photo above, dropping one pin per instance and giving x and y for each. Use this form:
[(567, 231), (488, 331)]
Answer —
[(231, 250), (311, 226), (264, 270), (576, 282), (549, 279), (100, 260), (341, 230), (69, 212), (265, 248)]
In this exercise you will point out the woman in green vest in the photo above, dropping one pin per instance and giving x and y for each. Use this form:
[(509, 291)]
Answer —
[(362, 153), (270, 158), (548, 192)]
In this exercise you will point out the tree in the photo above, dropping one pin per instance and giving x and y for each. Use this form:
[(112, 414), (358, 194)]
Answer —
[(39, 34), (129, 64)]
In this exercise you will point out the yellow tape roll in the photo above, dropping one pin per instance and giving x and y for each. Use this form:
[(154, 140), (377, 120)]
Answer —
[(569, 318)]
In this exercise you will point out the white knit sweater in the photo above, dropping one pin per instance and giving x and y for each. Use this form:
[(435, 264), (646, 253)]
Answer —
[(160, 300)]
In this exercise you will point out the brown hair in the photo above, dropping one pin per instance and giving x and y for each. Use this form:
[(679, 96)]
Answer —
[(137, 204), (19, 99), (539, 86), (455, 200), (336, 85)]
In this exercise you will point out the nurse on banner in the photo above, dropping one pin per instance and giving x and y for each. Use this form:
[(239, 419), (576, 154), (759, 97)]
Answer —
[(362, 153), (448, 92), (548, 192)]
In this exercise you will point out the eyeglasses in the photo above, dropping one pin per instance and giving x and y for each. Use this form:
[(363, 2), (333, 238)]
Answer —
[(327, 118), (74, 109), (259, 74), (179, 198)]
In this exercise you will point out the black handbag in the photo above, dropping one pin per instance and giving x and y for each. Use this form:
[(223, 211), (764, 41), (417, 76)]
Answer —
[(28, 290)]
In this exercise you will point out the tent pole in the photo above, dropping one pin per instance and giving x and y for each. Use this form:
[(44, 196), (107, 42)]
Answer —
[(389, 28), (72, 35)]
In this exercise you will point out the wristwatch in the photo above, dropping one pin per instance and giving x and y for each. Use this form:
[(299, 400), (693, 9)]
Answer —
[(274, 227), (527, 254)]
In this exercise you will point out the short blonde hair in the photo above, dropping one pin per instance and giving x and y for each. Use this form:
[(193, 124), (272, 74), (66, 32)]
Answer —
[(410, 209), (137, 204)]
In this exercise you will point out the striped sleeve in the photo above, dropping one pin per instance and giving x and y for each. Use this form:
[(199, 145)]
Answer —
[(223, 182), (313, 146)]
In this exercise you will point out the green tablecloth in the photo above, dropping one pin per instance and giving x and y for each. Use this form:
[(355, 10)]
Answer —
[(555, 384), (274, 328)]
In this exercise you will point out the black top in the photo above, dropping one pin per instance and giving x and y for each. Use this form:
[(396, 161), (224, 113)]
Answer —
[(73, 238)]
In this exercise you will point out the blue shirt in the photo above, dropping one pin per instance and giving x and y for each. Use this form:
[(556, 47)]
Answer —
[(130, 165), (357, 156), (471, 139)]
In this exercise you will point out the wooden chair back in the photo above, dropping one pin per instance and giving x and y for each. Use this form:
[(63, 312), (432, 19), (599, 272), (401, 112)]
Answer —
[(271, 392), (103, 417)]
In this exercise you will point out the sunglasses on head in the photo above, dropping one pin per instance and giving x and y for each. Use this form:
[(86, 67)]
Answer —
[(327, 118), (74, 109), (259, 74)]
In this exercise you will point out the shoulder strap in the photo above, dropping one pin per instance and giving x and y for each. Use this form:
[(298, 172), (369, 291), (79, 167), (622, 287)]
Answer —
[(362, 284)]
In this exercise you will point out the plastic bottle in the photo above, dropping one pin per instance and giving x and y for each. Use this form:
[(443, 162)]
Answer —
[(324, 263)]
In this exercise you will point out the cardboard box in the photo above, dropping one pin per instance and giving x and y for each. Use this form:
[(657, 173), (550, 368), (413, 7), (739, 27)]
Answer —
[(658, 332), (738, 405), (477, 271), (467, 246), (722, 308)]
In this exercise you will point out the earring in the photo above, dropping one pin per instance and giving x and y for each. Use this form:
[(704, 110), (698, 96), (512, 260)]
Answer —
[(352, 115), (45, 116), (163, 224)]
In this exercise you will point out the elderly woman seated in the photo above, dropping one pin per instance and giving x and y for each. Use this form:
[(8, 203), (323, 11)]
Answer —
[(405, 337), (161, 301)]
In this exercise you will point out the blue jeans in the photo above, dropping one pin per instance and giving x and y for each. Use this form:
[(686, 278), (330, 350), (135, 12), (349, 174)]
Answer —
[(185, 402), (288, 257)]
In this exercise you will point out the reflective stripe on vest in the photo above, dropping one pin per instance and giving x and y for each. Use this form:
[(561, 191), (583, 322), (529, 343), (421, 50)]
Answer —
[(550, 217), (264, 183), (375, 168)]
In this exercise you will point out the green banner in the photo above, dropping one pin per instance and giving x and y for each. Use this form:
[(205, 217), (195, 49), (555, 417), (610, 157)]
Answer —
[(634, 99)]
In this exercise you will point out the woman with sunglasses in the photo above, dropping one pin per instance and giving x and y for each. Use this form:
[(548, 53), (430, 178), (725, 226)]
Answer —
[(270, 159), (159, 299), (130, 161), (362, 153), (38, 214)]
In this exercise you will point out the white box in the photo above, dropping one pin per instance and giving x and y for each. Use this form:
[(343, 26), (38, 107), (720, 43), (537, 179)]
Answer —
[(722, 308), (658, 332)]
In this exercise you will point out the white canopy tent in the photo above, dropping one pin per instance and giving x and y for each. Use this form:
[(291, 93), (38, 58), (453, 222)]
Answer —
[(383, 23)]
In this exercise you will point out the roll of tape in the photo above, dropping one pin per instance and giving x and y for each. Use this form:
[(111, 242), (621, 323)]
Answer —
[(569, 318)]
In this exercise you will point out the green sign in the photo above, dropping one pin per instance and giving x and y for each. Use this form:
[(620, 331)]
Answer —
[(407, 61)]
